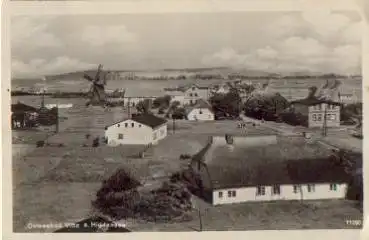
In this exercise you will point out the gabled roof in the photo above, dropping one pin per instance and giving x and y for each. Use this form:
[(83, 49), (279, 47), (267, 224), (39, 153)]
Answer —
[(185, 87), (288, 161), (145, 119), (20, 107), (200, 103), (314, 101)]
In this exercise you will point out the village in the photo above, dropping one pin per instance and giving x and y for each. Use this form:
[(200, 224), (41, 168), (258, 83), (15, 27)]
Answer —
[(200, 157)]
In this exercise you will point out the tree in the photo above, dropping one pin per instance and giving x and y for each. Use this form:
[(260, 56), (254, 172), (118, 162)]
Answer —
[(227, 105), (162, 102), (144, 106), (265, 106)]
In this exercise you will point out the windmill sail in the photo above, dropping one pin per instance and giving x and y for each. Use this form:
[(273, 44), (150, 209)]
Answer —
[(97, 93)]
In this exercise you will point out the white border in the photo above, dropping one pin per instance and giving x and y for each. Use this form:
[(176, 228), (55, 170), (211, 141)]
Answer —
[(151, 6)]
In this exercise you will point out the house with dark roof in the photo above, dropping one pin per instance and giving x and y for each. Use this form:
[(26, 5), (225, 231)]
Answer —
[(23, 116), (267, 168), (319, 112), (201, 111), (140, 129)]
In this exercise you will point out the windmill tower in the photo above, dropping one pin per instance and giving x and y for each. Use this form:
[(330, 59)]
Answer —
[(97, 93)]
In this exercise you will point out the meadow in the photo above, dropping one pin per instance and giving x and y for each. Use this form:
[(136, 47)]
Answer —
[(57, 184)]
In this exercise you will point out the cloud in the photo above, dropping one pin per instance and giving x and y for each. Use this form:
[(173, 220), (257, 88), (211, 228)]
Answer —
[(30, 31), (35, 67), (100, 36), (333, 45)]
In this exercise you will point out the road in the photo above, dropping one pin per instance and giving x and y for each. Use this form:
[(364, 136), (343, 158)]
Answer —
[(336, 137)]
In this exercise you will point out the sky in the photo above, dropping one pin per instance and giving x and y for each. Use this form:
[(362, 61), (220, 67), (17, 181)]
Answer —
[(279, 42)]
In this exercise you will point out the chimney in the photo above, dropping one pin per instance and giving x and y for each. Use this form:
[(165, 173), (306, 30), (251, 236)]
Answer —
[(312, 91)]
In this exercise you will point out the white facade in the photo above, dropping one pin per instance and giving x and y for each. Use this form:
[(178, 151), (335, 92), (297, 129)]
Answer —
[(286, 192), (190, 95), (130, 132), (200, 114)]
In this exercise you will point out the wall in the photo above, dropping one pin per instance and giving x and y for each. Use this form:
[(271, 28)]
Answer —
[(132, 135), (195, 94), (319, 111), (205, 115), (160, 132), (248, 194)]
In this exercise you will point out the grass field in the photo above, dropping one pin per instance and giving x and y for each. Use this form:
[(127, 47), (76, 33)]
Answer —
[(57, 184)]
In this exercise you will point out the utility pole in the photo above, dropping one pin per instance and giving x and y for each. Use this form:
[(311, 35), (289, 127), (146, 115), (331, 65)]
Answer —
[(129, 107), (57, 119), (200, 219), (324, 130), (174, 124)]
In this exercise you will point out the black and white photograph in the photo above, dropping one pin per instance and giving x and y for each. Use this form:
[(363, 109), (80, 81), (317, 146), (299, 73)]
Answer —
[(187, 122)]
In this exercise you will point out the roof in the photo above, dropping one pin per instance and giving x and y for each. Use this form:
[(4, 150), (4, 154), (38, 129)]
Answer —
[(199, 104), (20, 107), (185, 87), (314, 101), (286, 161), (145, 119)]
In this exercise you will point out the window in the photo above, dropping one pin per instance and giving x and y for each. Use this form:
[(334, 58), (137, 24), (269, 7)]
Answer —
[(126, 124), (139, 125), (296, 188), (333, 187), (193, 88), (133, 125), (311, 188), (118, 125), (195, 94), (190, 94), (120, 136), (319, 117), (200, 112), (220, 194), (314, 117), (260, 190), (333, 117), (154, 135), (162, 132), (232, 193), (276, 190)]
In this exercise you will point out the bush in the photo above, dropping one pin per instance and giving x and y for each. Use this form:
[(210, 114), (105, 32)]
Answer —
[(179, 113), (184, 156), (40, 143), (96, 142)]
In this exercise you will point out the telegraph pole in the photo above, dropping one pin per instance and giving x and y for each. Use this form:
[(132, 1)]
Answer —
[(57, 119), (324, 130), (174, 124)]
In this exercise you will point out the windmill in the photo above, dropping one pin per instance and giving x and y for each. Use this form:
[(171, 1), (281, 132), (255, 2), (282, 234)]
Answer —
[(97, 93)]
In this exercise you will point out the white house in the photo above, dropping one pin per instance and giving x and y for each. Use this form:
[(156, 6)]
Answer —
[(140, 129), (267, 168), (201, 111), (318, 112), (188, 94)]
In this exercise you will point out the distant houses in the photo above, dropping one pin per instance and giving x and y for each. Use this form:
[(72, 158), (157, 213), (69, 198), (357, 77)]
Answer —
[(23, 116), (140, 129), (201, 111), (319, 112), (266, 168)]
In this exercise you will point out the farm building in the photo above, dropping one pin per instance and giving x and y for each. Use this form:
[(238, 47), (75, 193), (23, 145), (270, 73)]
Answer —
[(318, 112), (23, 116), (188, 94), (267, 168), (201, 111), (140, 129)]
